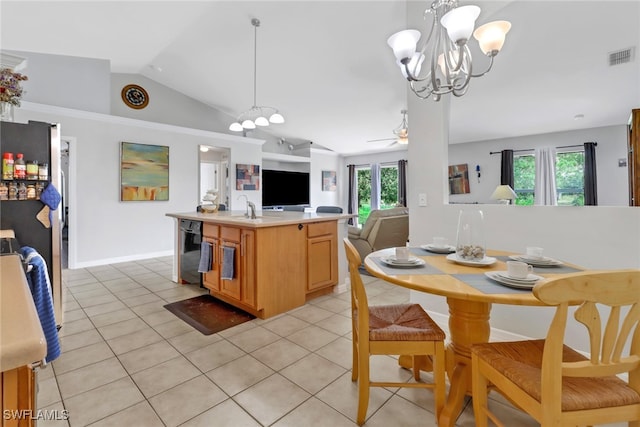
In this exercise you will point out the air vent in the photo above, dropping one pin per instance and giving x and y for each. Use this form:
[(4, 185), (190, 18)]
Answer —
[(621, 56)]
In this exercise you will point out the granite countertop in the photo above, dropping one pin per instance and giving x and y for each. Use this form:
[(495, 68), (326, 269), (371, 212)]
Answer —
[(264, 218), (22, 340)]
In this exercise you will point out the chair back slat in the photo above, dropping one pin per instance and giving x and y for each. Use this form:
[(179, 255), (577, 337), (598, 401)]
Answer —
[(617, 292), (359, 300)]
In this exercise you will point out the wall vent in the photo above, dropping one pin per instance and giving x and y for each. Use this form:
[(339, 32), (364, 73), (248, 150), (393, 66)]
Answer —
[(621, 56)]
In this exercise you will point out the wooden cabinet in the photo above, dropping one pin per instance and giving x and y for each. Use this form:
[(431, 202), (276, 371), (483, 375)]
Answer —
[(241, 286), (17, 391), (322, 256)]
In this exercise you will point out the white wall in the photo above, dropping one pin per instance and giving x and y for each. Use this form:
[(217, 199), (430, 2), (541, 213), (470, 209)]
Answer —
[(323, 160), (613, 187), (102, 228)]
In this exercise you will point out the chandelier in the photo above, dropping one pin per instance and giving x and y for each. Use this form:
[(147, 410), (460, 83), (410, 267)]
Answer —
[(450, 69), (256, 115), (402, 131)]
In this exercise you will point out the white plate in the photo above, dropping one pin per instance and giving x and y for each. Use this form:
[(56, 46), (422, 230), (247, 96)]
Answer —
[(531, 278), (412, 262), (542, 262), (439, 249), (493, 275), (486, 261)]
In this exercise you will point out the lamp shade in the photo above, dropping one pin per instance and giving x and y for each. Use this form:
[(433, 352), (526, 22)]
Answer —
[(235, 127), (276, 118), (491, 36), (503, 192), (261, 121), (404, 43), (460, 22), (248, 124)]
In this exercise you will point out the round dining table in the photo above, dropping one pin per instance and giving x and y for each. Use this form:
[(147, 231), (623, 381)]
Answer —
[(470, 295)]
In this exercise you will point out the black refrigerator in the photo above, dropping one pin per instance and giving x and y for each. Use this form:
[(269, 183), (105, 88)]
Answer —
[(37, 141)]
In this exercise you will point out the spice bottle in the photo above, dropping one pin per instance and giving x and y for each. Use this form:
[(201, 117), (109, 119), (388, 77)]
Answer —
[(32, 169), (43, 172), (4, 191), (39, 188), (7, 166), (13, 191), (19, 167), (22, 191)]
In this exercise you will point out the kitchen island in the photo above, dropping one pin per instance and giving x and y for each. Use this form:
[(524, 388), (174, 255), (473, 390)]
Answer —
[(279, 260)]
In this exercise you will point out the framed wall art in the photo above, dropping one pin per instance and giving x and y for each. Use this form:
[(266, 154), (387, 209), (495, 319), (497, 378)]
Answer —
[(247, 177), (329, 181), (459, 179), (144, 172)]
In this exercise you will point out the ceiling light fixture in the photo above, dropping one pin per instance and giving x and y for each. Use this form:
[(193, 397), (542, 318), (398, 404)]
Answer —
[(256, 115), (450, 69), (402, 131)]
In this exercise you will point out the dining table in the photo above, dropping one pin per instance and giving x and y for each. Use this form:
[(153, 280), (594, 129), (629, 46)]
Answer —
[(470, 294)]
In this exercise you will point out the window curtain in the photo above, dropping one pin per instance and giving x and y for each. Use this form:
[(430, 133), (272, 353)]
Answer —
[(590, 178), (545, 189), (375, 186), (402, 182), (353, 195), (506, 168)]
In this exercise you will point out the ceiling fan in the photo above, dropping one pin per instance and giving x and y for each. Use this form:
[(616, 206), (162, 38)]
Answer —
[(401, 133)]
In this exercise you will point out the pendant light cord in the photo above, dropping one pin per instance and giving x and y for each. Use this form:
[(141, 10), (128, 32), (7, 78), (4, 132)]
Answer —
[(256, 24)]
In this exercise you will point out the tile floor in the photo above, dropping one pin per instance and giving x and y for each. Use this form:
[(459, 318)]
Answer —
[(128, 361)]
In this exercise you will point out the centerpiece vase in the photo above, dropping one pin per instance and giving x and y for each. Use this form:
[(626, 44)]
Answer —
[(470, 239), (6, 111)]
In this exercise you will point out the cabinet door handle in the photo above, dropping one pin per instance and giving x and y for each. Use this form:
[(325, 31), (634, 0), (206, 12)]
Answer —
[(213, 251)]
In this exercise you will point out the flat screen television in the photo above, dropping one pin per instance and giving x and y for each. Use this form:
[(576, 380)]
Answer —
[(280, 188)]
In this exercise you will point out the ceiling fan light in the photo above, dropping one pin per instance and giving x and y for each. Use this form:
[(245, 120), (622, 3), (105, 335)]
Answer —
[(276, 118), (262, 121), (460, 22), (248, 124), (235, 127), (404, 43), (491, 36)]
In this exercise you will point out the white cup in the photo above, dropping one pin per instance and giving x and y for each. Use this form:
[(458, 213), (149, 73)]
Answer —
[(402, 253), (534, 252), (439, 242), (518, 270)]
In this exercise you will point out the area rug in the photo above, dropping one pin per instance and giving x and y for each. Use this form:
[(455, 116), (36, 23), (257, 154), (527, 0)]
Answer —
[(208, 314)]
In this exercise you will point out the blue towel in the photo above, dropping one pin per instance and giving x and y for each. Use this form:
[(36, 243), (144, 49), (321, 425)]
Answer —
[(228, 255), (38, 279), (205, 257)]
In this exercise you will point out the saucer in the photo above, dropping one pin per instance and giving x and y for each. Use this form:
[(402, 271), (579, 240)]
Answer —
[(484, 262), (446, 249), (529, 279), (493, 275), (541, 262), (411, 262)]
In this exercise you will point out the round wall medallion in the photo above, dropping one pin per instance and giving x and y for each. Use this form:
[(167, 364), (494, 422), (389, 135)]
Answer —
[(135, 96)]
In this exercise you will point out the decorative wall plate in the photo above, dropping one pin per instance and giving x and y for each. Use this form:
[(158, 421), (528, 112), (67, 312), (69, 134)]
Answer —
[(135, 96)]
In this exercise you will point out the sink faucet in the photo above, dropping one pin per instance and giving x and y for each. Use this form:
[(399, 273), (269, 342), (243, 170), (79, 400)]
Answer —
[(252, 206)]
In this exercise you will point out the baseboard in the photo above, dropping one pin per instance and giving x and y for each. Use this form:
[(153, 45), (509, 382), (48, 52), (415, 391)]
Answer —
[(117, 260)]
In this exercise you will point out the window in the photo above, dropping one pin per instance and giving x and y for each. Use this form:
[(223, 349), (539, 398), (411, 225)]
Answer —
[(569, 178), (388, 189)]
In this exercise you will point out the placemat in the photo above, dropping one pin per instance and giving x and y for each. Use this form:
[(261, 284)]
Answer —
[(392, 271), (555, 269), (486, 285)]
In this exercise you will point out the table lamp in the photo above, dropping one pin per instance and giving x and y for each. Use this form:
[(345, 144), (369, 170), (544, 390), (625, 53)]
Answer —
[(504, 193)]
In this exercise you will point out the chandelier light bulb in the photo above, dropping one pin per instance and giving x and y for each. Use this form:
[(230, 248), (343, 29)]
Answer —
[(404, 43), (460, 22), (491, 36), (262, 121), (276, 118), (248, 124), (235, 127)]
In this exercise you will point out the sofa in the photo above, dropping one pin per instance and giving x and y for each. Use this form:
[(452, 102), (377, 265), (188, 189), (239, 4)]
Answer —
[(385, 228)]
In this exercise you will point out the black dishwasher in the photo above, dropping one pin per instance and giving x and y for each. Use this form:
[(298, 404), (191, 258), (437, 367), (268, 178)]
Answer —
[(190, 240)]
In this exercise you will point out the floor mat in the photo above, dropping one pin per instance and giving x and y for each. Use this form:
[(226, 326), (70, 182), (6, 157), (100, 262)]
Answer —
[(208, 314)]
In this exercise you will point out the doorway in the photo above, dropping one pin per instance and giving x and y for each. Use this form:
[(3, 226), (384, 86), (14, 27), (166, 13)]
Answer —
[(214, 174)]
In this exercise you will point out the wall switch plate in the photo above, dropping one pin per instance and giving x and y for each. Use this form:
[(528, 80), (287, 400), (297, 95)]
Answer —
[(422, 199)]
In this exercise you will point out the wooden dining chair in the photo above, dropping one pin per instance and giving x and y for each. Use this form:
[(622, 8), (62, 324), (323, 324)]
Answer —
[(399, 329), (555, 384)]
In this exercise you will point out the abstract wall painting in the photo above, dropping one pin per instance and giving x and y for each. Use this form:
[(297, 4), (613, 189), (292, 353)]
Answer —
[(144, 172), (329, 181), (247, 177)]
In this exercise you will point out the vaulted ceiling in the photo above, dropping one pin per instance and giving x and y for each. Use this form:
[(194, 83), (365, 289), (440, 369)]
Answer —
[(326, 65)]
